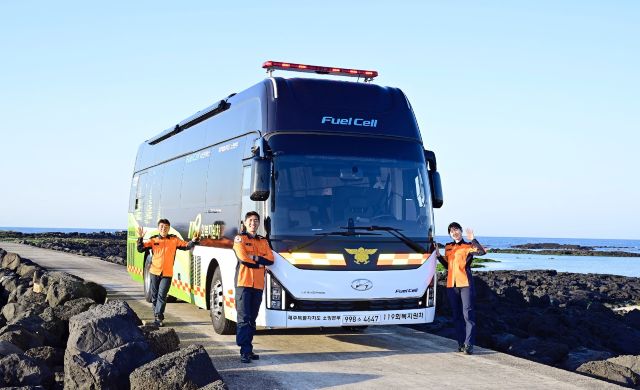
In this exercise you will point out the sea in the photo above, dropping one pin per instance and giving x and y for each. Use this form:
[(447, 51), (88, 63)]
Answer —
[(57, 230), (625, 266)]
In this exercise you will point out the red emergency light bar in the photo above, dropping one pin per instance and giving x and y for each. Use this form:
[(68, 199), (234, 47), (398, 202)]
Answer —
[(368, 75)]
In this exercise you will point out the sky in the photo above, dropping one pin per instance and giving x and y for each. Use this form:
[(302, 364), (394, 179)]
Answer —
[(532, 107)]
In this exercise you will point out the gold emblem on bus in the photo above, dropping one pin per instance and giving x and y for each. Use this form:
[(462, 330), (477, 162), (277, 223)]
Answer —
[(361, 255)]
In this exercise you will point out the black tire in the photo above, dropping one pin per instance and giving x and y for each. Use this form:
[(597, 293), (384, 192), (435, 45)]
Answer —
[(216, 306), (147, 279)]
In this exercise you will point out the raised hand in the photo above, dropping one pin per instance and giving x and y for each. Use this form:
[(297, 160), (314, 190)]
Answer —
[(469, 233), (140, 231), (437, 250)]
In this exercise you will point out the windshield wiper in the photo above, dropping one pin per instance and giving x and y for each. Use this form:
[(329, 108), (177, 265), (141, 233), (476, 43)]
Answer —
[(323, 235), (394, 232)]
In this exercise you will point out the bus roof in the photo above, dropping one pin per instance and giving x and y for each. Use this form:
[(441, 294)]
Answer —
[(307, 105)]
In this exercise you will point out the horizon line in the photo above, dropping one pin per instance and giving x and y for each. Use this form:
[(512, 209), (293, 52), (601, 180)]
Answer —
[(2, 228)]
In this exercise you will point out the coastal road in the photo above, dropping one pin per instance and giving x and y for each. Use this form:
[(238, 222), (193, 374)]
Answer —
[(393, 357)]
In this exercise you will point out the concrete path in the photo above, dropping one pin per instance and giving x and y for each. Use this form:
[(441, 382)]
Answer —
[(393, 357)]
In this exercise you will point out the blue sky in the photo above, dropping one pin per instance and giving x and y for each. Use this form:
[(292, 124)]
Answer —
[(533, 108)]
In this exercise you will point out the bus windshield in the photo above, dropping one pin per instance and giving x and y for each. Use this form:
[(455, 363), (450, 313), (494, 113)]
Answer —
[(318, 194)]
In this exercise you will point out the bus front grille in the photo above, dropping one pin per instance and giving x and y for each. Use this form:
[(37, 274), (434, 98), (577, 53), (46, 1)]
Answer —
[(370, 305)]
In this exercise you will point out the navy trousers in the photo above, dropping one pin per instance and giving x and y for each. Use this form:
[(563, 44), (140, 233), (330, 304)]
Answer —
[(159, 289), (248, 302), (464, 315)]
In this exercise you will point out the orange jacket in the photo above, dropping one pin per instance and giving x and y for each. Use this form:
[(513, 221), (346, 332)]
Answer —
[(164, 252), (253, 254), (457, 258)]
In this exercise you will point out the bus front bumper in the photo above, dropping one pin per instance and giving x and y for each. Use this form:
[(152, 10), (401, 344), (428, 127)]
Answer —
[(296, 319)]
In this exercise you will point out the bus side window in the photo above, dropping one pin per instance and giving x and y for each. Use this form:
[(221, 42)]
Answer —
[(134, 197), (171, 186), (194, 179)]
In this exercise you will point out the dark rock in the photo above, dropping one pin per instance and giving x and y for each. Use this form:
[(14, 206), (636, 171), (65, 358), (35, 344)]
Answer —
[(30, 304), (632, 318), (610, 372), (570, 310), (536, 300), (11, 261), (26, 270), (7, 348), (49, 356), (20, 370), (550, 245), (108, 246), (9, 310), (217, 385), (10, 281), (87, 371), (629, 361), (541, 351), (97, 292), (63, 287), (105, 345), (513, 295), (503, 341), (21, 337), (103, 327), (576, 357), (21, 289), (127, 358), (72, 308), (161, 340), (44, 326), (2, 253), (189, 368), (116, 259), (548, 324)]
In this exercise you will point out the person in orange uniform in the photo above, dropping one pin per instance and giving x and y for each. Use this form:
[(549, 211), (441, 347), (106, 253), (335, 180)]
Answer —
[(163, 247), (457, 258), (253, 253)]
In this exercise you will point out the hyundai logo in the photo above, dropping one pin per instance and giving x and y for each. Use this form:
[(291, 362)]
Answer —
[(362, 284)]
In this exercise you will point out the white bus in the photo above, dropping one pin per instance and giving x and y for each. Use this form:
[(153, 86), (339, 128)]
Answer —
[(339, 174)]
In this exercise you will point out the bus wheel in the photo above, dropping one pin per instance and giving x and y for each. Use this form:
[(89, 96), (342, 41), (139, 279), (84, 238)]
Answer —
[(147, 279), (216, 306)]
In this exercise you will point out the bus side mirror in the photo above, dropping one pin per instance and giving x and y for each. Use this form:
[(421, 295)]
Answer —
[(434, 179), (436, 189), (260, 175)]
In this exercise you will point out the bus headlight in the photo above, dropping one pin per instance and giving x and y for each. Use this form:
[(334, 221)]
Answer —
[(275, 294), (431, 292)]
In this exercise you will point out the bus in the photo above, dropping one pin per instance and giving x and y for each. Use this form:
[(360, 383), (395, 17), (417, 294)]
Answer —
[(345, 189)]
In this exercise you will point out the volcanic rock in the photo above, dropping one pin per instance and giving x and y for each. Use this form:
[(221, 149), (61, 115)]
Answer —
[(49, 356), (7, 348), (21, 370), (189, 368), (611, 372), (161, 340), (105, 345), (11, 261)]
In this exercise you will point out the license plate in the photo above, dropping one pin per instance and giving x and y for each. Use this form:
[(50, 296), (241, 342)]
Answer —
[(360, 319)]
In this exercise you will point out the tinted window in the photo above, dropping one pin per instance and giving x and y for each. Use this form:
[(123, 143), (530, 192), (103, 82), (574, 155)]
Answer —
[(316, 194), (194, 179), (171, 184), (224, 183)]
